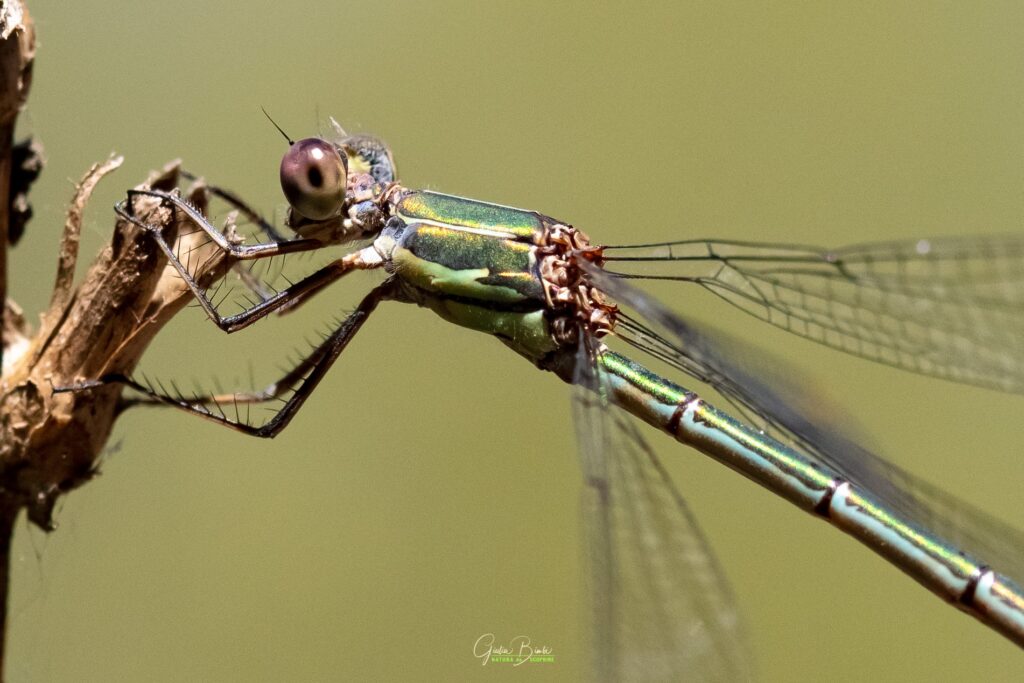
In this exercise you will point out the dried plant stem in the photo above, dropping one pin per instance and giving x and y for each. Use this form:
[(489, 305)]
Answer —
[(49, 443)]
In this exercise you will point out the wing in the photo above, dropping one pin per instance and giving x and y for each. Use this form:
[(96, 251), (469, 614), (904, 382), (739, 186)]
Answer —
[(769, 390), (662, 607), (949, 307)]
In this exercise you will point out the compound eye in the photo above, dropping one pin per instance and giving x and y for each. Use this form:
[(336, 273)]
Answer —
[(314, 177)]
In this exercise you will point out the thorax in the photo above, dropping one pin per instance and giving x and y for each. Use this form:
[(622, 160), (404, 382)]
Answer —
[(476, 264)]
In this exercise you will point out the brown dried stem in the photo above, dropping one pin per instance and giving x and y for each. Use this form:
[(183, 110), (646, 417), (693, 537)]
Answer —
[(49, 443), (17, 51)]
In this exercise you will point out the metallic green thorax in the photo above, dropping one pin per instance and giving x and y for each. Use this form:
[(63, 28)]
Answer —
[(448, 210), (473, 263)]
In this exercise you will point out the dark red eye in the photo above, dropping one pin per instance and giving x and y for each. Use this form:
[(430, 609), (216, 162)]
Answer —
[(314, 176)]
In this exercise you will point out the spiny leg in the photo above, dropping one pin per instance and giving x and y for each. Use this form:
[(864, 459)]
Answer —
[(308, 373), (254, 216), (306, 287), (272, 391), (293, 303), (238, 203), (303, 289), (241, 252), (243, 269)]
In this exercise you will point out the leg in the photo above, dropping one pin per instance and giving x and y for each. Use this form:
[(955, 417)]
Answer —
[(305, 287), (269, 229), (301, 380), (251, 282), (237, 202), (241, 252)]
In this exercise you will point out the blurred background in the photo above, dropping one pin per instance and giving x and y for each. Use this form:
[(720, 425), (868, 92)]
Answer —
[(428, 493)]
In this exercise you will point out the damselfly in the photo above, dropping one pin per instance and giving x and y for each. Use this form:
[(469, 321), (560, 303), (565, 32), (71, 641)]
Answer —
[(949, 308)]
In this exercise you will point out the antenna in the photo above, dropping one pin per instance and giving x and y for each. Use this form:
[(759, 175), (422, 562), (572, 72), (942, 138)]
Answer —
[(285, 135)]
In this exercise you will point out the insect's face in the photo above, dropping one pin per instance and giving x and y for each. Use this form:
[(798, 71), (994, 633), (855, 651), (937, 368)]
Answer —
[(314, 177), (340, 183)]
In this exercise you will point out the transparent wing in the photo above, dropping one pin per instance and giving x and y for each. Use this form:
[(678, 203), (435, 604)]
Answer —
[(950, 307), (662, 608), (770, 390)]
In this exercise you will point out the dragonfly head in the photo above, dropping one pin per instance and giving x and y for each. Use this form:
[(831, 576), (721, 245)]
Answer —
[(314, 177), (341, 182)]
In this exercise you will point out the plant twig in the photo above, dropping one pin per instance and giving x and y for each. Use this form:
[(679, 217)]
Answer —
[(17, 51), (50, 443)]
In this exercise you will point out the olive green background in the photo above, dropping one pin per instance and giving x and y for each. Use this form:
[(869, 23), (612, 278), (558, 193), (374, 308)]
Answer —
[(428, 492)]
